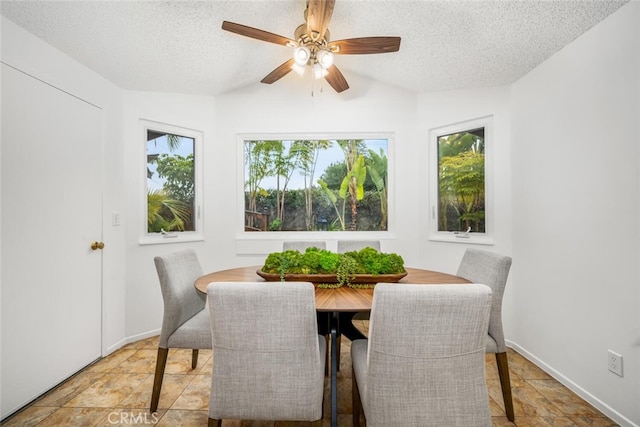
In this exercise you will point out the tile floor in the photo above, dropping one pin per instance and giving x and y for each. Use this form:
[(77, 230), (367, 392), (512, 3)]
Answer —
[(117, 389)]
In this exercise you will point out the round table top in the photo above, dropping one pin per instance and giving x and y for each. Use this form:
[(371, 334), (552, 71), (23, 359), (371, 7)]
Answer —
[(343, 298)]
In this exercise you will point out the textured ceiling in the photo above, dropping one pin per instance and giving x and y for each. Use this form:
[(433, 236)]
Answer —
[(179, 46)]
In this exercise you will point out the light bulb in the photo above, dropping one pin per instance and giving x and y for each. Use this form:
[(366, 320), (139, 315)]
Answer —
[(317, 70), (298, 68), (301, 55), (325, 58)]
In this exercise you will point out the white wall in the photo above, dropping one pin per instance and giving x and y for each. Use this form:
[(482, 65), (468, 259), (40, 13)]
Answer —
[(444, 108), (576, 198), (144, 301), (24, 51)]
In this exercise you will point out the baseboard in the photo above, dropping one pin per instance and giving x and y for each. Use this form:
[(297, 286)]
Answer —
[(584, 394), (128, 340)]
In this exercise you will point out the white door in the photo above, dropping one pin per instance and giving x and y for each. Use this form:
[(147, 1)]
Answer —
[(51, 212)]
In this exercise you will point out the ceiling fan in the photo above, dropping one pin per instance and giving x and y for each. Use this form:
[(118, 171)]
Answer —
[(312, 47)]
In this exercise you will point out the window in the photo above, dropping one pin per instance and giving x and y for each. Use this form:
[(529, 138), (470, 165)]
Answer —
[(460, 192), (173, 186), (313, 184)]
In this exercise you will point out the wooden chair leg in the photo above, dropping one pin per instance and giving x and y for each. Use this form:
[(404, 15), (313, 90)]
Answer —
[(161, 362), (194, 358), (505, 383), (355, 400), (214, 423)]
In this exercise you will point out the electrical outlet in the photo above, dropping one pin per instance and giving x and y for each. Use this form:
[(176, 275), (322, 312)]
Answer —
[(615, 362)]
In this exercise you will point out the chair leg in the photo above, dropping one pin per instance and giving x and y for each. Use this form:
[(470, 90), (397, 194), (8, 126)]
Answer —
[(505, 383), (161, 362), (194, 358), (214, 423), (355, 400)]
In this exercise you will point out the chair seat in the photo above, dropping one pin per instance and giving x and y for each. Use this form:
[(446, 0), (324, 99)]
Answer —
[(194, 333)]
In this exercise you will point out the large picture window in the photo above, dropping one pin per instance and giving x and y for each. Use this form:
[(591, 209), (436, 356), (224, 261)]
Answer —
[(459, 189), (172, 181), (316, 184)]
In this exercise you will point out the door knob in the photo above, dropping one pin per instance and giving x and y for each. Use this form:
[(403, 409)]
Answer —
[(96, 245)]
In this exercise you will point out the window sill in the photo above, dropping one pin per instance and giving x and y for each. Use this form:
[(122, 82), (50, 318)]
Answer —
[(170, 238), (471, 239)]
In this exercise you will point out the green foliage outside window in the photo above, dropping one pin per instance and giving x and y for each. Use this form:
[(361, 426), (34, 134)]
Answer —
[(170, 182), (311, 185), (461, 181)]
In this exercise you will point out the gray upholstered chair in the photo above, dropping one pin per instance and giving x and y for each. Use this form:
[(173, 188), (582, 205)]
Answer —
[(423, 364), (301, 246), (269, 360), (492, 269), (356, 245), (185, 323)]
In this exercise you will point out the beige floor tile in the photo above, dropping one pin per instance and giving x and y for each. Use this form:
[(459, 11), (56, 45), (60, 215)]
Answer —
[(172, 387), (182, 418), (195, 396), (593, 422), (30, 416), (112, 361), (76, 417), (523, 368), (528, 402), (108, 392), (567, 401), (141, 362), (69, 389), (501, 421)]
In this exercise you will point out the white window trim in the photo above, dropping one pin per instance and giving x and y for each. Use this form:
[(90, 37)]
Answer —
[(242, 235), (181, 236), (486, 238)]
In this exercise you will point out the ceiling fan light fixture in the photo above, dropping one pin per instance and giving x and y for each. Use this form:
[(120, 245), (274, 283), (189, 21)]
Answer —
[(301, 55), (299, 69), (318, 71), (325, 58)]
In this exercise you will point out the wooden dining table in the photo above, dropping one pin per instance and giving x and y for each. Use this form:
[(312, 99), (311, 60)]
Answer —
[(338, 305)]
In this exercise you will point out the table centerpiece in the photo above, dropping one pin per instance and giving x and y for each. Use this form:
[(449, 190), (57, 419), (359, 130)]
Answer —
[(356, 269)]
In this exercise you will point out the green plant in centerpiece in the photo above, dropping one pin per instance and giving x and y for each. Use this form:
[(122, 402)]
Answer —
[(345, 266)]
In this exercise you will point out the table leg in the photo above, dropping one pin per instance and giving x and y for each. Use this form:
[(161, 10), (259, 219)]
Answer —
[(347, 328), (334, 369)]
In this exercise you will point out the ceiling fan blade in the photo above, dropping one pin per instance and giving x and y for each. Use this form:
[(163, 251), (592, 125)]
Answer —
[(255, 33), (318, 16), (279, 72), (335, 78), (365, 45)]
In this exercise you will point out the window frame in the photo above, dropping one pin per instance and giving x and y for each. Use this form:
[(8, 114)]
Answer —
[(147, 238), (243, 235), (486, 238)]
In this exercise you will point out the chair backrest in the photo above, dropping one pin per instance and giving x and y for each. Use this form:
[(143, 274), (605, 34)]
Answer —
[(301, 246), (356, 245), (426, 356), (491, 269), (177, 273), (266, 350)]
